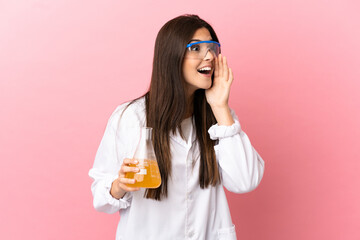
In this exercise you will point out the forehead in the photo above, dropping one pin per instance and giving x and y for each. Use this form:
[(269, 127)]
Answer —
[(202, 34)]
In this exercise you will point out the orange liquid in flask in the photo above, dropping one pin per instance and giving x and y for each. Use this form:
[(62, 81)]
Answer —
[(147, 177)]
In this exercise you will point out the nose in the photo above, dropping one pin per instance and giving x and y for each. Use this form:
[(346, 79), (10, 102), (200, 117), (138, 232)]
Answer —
[(209, 55)]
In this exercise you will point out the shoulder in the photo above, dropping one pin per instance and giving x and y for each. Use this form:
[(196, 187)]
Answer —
[(128, 114)]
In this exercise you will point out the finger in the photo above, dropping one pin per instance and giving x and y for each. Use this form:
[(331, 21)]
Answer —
[(121, 173), (131, 189), (124, 180), (130, 161), (220, 65), (126, 188), (126, 169), (225, 69), (216, 65), (231, 76)]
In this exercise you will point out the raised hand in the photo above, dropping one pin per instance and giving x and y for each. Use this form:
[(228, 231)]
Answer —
[(218, 95)]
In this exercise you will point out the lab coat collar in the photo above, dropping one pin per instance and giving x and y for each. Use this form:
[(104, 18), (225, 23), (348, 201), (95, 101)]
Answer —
[(192, 137)]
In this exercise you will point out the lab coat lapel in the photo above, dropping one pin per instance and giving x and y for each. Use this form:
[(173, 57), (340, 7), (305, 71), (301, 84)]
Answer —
[(192, 136)]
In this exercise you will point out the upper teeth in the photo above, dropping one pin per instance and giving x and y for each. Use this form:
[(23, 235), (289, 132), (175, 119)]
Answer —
[(205, 69)]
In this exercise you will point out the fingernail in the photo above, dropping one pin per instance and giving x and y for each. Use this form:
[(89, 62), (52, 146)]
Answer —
[(136, 161)]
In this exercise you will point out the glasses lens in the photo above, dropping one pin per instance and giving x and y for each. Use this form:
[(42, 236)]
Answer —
[(199, 50), (215, 49)]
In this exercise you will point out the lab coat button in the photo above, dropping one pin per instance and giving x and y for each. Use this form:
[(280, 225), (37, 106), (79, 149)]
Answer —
[(190, 234)]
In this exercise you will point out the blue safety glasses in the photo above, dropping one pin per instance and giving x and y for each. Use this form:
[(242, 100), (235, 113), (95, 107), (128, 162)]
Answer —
[(199, 49)]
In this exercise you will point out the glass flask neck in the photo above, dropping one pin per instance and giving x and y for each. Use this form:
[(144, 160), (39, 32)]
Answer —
[(146, 134), (145, 148)]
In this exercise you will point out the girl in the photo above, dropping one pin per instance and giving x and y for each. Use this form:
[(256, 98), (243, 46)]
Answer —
[(197, 139)]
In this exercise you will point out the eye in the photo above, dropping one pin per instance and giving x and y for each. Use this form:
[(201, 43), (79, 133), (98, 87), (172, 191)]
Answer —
[(195, 47)]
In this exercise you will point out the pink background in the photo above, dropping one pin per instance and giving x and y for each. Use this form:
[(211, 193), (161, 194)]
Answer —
[(65, 65)]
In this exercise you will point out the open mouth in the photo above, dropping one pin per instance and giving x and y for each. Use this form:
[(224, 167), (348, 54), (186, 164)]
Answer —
[(205, 70)]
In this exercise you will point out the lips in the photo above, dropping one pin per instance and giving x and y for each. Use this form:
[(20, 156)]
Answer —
[(206, 70)]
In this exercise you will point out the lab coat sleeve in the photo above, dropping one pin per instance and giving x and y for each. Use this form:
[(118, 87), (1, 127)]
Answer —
[(105, 170), (241, 166)]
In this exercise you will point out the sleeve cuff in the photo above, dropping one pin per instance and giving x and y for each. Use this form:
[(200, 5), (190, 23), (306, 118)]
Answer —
[(123, 202), (218, 132)]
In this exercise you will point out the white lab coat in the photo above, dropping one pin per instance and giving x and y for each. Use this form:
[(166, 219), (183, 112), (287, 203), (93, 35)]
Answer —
[(188, 212)]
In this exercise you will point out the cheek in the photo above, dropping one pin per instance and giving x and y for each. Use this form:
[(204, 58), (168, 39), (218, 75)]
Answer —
[(188, 72)]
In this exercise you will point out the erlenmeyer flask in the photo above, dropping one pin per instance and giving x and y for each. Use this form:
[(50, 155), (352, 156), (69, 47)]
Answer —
[(149, 175)]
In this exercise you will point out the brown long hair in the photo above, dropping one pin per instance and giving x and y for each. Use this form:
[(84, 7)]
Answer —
[(166, 102)]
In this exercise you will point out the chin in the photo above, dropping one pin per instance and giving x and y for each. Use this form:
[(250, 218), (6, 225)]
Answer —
[(207, 87), (199, 84)]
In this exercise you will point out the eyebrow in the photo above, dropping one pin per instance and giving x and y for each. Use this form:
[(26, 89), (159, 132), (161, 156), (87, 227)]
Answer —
[(198, 40)]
